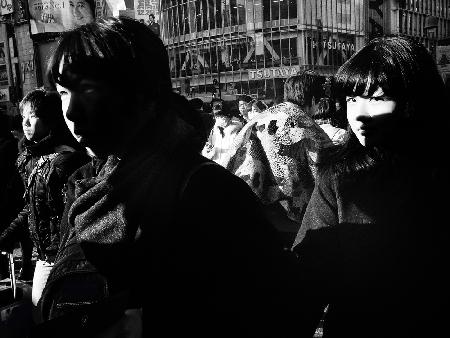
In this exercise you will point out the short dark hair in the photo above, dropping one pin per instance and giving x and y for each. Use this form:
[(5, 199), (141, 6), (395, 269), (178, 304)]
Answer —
[(259, 104), (120, 50), (45, 105), (225, 111), (301, 88), (196, 103), (245, 98)]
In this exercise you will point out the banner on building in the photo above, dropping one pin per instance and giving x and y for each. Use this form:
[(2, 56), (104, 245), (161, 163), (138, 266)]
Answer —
[(52, 16), (6, 7), (143, 8)]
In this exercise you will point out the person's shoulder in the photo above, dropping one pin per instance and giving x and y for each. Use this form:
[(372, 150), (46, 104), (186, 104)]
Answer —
[(67, 162), (211, 178)]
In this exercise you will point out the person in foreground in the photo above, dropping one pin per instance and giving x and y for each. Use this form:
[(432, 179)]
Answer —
[(373, 244), (47, 158), (143, 250)]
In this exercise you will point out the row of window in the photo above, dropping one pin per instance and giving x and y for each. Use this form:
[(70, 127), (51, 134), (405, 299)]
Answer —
[(181, 17)]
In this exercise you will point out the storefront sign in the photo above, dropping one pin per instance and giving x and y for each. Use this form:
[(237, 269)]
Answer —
[(6, 7), (271, 73), (4, 94), (144, 8), (328, 44), (59, 15)]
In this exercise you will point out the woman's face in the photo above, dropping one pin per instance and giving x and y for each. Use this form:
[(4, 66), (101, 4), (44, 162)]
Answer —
[(34, 129), (252, 113), (79, 14), (372, 118), (96, 112)]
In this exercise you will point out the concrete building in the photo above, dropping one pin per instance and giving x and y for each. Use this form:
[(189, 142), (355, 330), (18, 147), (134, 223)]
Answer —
[(228, 47)]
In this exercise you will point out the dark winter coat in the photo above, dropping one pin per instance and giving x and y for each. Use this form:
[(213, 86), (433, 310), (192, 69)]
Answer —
[(182, 239), (374, 246), (44, 168)]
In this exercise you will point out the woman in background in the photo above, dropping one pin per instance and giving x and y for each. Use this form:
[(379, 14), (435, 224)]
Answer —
[(372, 244)]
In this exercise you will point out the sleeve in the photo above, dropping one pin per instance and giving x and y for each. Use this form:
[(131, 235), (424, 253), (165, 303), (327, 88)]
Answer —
[(15, 230), (63, 167), (316, 249)]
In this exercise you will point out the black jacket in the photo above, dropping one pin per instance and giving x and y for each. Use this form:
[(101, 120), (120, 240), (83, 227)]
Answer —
[(44, 168), (373, 246), (191, 247)]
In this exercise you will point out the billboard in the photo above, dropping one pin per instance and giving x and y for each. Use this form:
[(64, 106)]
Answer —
[(143, 8), (52, 16)]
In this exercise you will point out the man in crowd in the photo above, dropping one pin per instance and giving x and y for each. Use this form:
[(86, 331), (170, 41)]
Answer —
[(153, 25)]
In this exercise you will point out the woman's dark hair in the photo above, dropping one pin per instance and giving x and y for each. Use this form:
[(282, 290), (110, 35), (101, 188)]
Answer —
[(402, 67), (46, 105), (407, 73), (118, 50), (244, 97), (259, 105), (225, 111), (301, 88)]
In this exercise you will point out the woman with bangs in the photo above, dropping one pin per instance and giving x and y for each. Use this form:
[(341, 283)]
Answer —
[(156, 240), (372, 242)]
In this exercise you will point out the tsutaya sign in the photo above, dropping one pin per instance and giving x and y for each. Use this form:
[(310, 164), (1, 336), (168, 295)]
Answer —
[(327, 44), (271, 73)]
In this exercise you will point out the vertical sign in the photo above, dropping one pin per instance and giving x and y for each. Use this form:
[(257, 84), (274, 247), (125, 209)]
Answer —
[(144, 8)]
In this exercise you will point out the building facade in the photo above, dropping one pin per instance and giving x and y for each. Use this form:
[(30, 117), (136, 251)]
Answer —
[(228, 47)]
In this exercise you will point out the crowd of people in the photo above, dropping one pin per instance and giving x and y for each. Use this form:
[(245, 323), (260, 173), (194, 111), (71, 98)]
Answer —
[(151, 216)]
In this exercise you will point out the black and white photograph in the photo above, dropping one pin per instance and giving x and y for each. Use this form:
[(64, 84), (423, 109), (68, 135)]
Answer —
[(224, 168)]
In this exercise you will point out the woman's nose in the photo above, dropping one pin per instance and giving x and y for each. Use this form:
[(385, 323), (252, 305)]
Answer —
[(361, 111), (71, 111)]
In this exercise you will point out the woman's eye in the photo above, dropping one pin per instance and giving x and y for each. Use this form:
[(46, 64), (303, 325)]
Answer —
[(351, 99), (62, 93), (376, 98)]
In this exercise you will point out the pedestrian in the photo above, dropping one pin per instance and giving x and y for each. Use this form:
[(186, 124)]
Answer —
[(47, 157), (153, 25), (223, 133), (324, 107), (257, 108), (374, 240), (244, 106), (154, 236), (277, 154), (11, 188), (207, 118)]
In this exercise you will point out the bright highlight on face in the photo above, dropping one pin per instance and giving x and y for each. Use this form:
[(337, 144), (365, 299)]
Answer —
[(371, 117)]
